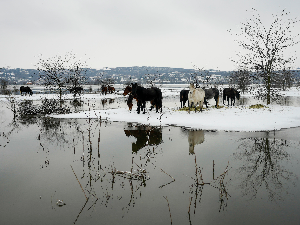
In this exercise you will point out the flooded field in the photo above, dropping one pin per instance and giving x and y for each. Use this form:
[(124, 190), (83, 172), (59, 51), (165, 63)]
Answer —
[(90, 171)]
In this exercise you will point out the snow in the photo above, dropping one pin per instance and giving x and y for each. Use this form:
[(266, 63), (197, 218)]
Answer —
[(229, 119), (233, 118)]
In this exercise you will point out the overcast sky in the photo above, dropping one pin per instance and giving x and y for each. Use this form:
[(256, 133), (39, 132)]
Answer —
[(114, 33)]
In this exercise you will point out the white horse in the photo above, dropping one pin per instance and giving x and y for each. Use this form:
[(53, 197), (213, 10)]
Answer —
[(196, 97)]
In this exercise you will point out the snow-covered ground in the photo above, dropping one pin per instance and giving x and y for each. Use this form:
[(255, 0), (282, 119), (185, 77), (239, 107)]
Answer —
[(236, 118), (239, 118)]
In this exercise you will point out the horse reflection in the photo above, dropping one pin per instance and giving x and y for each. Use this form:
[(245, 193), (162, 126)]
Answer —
[(107, 100), (195, 137), (145, 136)]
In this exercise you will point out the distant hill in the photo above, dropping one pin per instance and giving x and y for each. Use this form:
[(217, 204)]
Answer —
[(119, 74)]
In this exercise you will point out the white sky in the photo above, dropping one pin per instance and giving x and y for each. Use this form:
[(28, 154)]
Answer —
[(112, 33)]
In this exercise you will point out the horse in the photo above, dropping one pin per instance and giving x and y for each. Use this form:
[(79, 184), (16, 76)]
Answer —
[(230, 93), (110, 89), (27, 90), (127, 91), (104, 89), (129, 101), (76, 90), (211, 93), (142, 94), (196, 97), (184, 96)]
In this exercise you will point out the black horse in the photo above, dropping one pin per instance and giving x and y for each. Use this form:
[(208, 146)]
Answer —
[(27, 90), (76, 90), (230, 93), (142, 94), (184, 96), (211, 93)]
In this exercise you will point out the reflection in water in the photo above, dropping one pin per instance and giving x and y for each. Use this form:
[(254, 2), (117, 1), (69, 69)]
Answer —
[(145, 135), (195, 137), (264, 166), (77, 104), (110, 180), (107, 100), (197, 187)]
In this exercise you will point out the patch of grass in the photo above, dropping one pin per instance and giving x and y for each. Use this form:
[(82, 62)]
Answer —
[(187, 109), (219, 106), (257, 106), (197, 108)]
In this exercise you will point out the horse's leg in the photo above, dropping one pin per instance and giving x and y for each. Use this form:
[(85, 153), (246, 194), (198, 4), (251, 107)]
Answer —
[(138, 106), (155, 103), (160, 104), (217, 100), (144, 107), (152, 103), (205, 102)]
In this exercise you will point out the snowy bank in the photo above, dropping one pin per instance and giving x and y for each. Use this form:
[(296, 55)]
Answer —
[(239, 118)]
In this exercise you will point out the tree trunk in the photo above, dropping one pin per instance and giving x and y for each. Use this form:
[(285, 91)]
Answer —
[(269, 89)]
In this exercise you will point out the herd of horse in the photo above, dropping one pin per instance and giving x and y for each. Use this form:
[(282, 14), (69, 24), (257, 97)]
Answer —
[(107, 89), (194, 96)]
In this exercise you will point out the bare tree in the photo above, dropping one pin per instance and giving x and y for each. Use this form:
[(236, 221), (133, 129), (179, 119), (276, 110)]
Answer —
[(285, 79), (77, 75), (242, 78), (58, 71), (265, 48), (3, 83)]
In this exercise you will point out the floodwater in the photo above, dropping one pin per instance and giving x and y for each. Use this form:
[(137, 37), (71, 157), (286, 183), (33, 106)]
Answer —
[(87, 171)]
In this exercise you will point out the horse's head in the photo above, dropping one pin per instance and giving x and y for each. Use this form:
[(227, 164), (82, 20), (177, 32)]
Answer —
[(237, 95), (192, 86), (127, 90)]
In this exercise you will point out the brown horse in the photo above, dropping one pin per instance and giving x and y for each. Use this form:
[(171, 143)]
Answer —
[(127, 91), (104, 90), (111, 89), (129, 102)]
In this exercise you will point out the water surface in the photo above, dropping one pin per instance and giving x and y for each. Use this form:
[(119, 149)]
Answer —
[(120, 173)]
